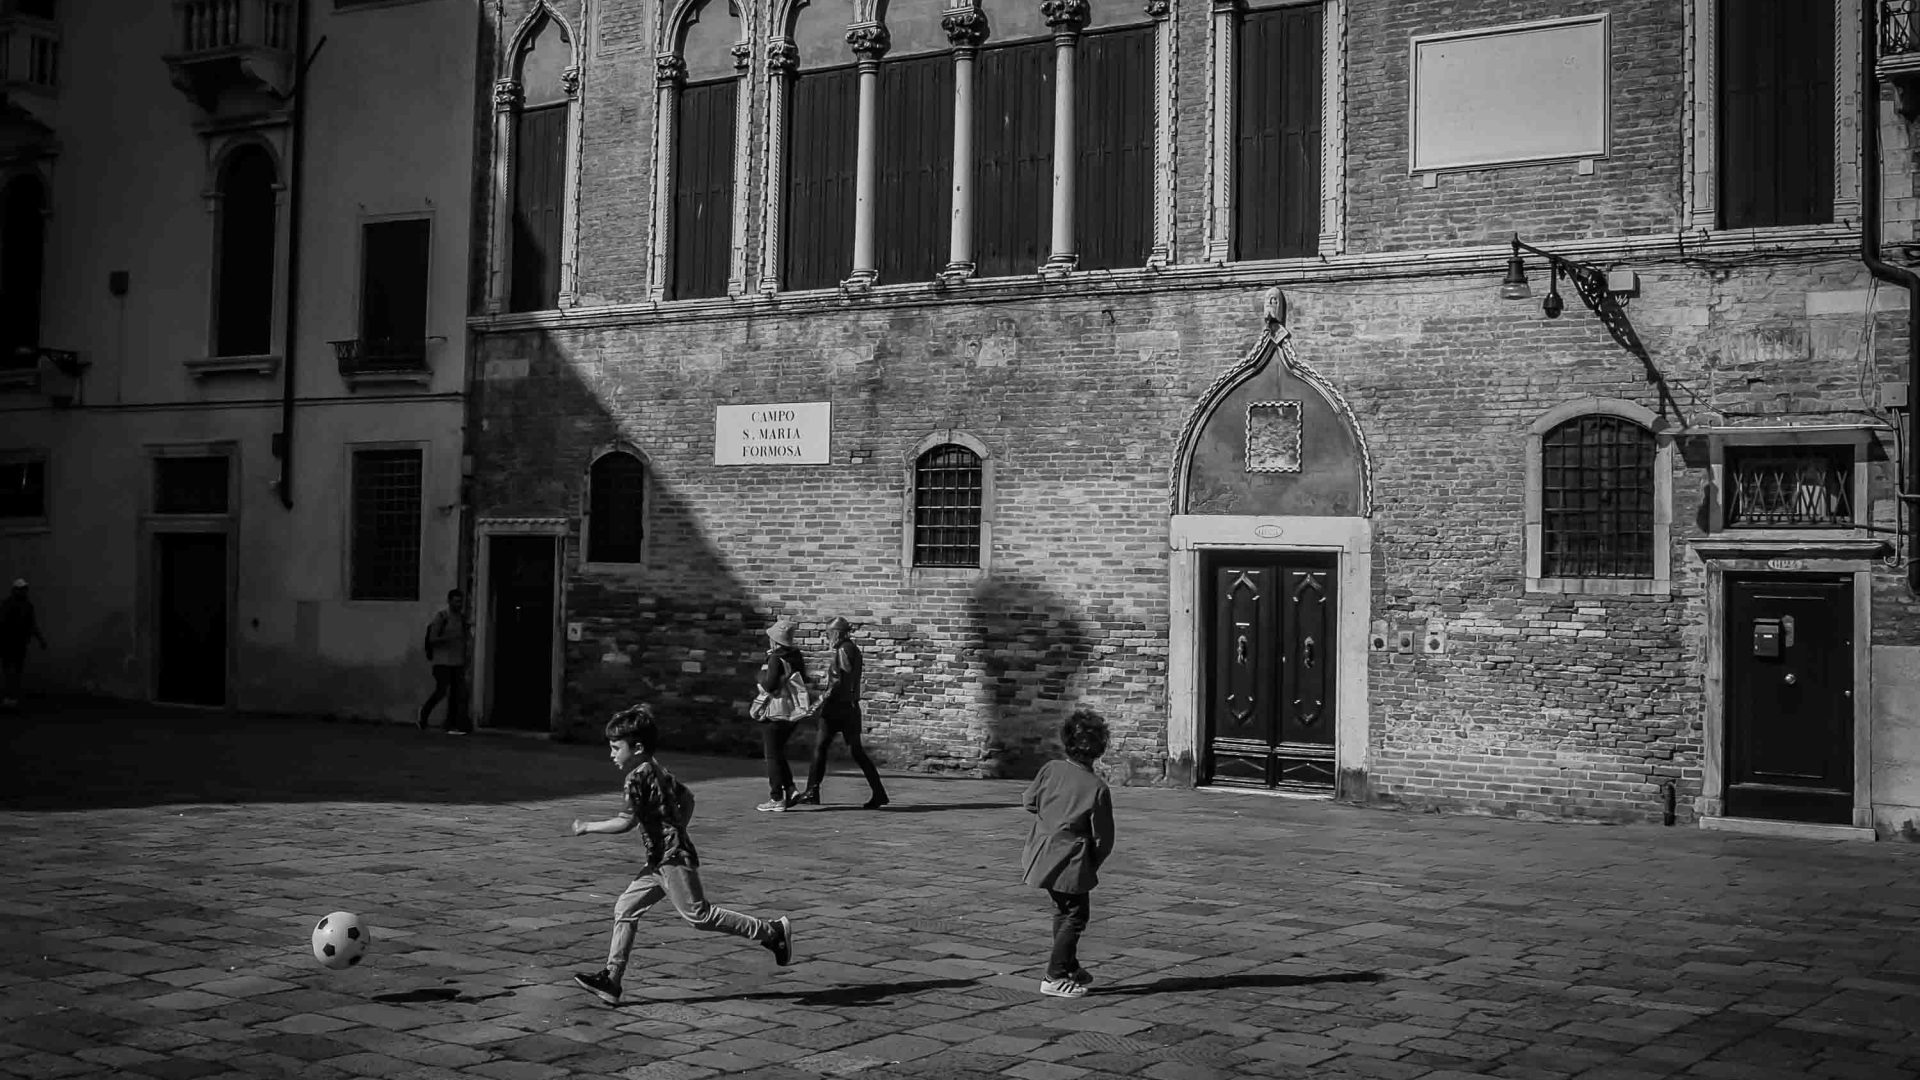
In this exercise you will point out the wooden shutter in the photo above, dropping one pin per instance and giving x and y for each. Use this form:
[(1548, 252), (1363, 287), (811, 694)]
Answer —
[(1775, 124), (1113, 136), (702, 239), (617, 499), (393, 286), (1013, 176), (912, 233), (823, 128), (539, 182), (1276, 145), (244, 307)]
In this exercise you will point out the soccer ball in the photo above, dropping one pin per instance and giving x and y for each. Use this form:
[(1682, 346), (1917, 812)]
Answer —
[(340, 940)]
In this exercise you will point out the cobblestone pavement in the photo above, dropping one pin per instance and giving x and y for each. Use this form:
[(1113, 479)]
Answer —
[(162, 873)]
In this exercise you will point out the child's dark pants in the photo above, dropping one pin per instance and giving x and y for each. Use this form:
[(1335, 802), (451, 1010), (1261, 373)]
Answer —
[(1071, 912)]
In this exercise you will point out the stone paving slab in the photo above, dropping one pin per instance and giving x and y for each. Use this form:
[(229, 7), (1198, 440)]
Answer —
[(164, 870)]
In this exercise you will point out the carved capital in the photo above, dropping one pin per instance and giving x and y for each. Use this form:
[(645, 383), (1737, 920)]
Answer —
[(1158, 9), (668, 70), (506, 93), (782, 56), (965, 29), (869, 42), (1065, 16), (742, 55), (570, 81)]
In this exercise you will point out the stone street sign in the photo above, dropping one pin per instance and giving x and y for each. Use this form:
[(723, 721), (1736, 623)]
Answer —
[(788, 433)]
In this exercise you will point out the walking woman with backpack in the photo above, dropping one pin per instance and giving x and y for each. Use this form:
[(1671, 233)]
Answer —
[(782, 702)]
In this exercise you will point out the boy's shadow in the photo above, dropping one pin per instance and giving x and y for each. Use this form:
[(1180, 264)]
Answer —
[(864, 994), (922, 808), (1231, 982)]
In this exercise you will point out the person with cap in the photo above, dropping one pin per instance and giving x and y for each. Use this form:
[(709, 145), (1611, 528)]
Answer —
[(839, 713), (782, 702), (17, 627)]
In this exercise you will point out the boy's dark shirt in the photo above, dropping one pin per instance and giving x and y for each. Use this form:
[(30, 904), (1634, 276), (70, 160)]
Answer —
[(843, 677), (654, 799)]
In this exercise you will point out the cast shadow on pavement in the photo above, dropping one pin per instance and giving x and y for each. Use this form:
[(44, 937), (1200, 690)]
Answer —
[(919, 808), (861, 994), (1234, 982)]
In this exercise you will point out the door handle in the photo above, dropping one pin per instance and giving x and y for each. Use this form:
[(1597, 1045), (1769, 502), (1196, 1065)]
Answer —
[(1240, 650), (1306, 653), (1790, 679)]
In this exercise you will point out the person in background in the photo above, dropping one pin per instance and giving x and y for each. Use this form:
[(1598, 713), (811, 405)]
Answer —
[(17, 627), (783, 700), (839, 713), (1072, 835), (447, 651)]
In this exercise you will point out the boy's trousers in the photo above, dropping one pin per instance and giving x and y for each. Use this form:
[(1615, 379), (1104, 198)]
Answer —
[(681, 886)]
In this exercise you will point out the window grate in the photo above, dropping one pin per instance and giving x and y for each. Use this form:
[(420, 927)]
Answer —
[(190, 485), (386, 525), (946, 507), (616, 500), (23, 489), (1597, 499), (1789, 487)]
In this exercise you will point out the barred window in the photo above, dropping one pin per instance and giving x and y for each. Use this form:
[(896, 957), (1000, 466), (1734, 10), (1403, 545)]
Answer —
[(386, 525), (946, 507), (616, 498), (190, 485), (1597, 499), (1789, 487)]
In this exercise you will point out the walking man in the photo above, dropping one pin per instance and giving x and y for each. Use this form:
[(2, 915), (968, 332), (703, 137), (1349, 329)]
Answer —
[(17, 627), (840, 713), (447, 652)]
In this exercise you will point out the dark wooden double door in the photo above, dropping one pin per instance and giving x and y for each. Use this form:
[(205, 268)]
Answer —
[(1269, 653), (1789, 698), (520, 588)]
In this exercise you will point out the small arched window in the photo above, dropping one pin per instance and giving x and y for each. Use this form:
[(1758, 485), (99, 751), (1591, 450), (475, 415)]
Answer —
[(616, 506), (1599, 500), (948, 497), (22, 249), (243, 300)]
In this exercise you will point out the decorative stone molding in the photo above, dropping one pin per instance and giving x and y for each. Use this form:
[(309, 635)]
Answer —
[(742, 55), (570, 82), (506, 94), (783, 57), (965, 29), (1064, 16), (870, 42), (1158, 9), (669, 70)]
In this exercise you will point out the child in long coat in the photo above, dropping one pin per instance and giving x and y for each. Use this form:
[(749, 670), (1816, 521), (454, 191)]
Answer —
[(1072, 835)]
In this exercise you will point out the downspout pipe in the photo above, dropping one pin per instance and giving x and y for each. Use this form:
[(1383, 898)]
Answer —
[(1909, 485), (296, 137)]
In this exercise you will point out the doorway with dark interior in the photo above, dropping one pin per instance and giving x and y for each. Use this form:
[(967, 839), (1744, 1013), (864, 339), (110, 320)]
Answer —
[(190, 618), (521, 577)]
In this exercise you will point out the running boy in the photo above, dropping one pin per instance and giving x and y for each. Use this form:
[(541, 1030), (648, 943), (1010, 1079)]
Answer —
[(1071, 837), (661, 806)]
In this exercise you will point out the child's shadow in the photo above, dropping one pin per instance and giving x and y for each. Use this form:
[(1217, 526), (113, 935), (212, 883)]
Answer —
[(1231, 982), (863, 994), (921, 808)]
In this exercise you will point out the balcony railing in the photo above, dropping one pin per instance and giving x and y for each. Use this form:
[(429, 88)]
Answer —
[(382, 360), (230, 52), (211, 25), (1899, 47)]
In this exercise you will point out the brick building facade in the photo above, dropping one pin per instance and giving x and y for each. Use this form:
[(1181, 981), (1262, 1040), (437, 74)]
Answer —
[(1251, 454)]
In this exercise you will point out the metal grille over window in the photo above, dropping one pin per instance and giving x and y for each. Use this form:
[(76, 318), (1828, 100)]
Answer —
[(946, 507), (616, 497), (190, 485), (1597, 499), (386, 525), (1789, 487)]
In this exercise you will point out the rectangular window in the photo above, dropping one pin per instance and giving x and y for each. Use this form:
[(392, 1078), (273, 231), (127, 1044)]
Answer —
[(190, 485), (1775, 76), (393, 289), (1789, 487), (1596, 499), (823, 113), (1276, 133), (947, 500), (1013, 145), (703, 190), (23, 490), (1113, 136), (912, 234), (539, 179), (386, 525)]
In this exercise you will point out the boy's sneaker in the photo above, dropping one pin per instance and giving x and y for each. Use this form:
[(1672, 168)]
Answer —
[(775, 803), (782, 946), (1066, 988), (601, 984), (1082, 976)]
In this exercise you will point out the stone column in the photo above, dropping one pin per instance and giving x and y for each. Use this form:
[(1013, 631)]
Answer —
[(782, 59), (506, 104), (869, 42), (1226, 18), (742, 149), (966, 28), (1066, 17), (670, 72)]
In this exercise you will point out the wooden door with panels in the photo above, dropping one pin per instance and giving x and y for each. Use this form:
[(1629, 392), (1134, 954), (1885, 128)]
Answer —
[(1272, 621)]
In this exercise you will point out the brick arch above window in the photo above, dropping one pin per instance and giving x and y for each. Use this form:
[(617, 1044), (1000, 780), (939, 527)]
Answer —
[(948, 507), (616, 507), (1599, 500)]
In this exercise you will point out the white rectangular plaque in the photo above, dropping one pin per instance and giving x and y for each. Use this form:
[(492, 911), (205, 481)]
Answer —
[(1507, 95), (784, 433)]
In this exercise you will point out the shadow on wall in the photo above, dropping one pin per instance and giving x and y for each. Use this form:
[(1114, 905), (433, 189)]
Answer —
[(1030, 648)]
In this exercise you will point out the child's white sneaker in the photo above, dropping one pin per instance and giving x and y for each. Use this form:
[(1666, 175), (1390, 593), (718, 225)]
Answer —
[(1062, 988)]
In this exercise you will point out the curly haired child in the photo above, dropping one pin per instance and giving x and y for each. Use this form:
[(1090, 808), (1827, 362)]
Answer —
[(1072, 835)]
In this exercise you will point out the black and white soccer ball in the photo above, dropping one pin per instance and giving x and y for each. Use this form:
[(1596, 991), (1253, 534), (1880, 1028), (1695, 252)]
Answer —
[(340, 940)]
